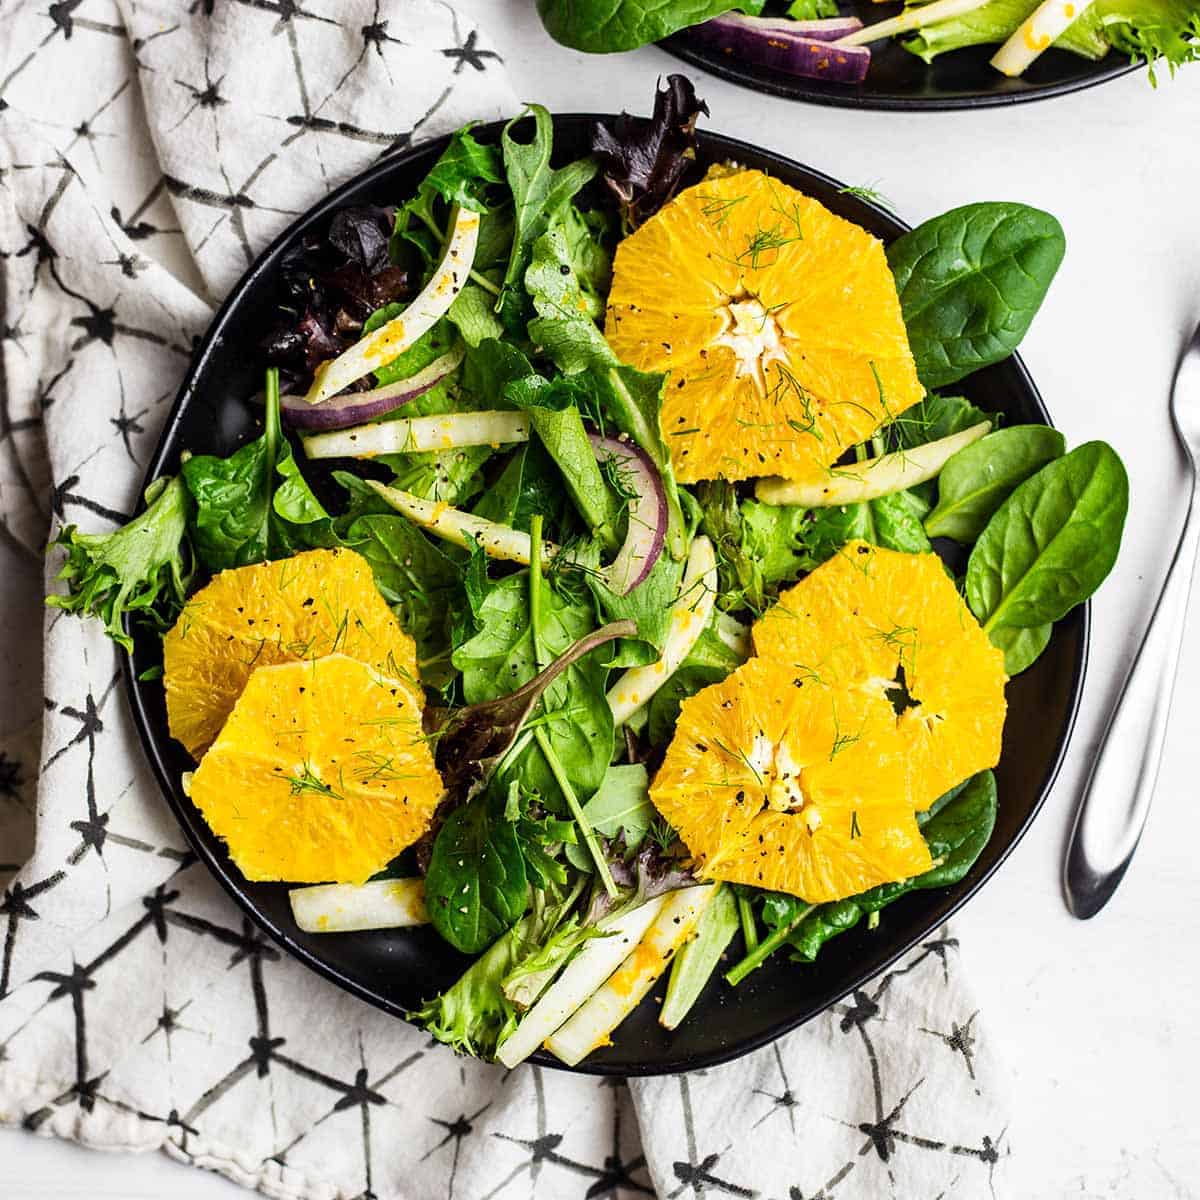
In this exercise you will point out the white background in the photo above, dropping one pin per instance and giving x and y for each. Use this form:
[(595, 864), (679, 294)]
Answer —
[(1100, 1022)]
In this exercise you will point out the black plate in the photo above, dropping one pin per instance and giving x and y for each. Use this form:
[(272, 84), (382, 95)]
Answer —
[(396, 970), (899, 80)]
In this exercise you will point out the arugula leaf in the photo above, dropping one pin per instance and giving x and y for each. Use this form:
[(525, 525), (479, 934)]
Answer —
[(554, 282), (540, 193), (630, 398), (243, 514), (473, 315), (649, 604), (141, 569), (559, 428), (460, 176)]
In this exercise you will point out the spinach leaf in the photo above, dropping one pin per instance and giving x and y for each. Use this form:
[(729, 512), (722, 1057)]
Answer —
[(976, 480), (603, 26), (243, 513), (621, 807), (416, 579), (540, 193), (970, 283), (1022, 647), (1051, 544), (476, 885), (956, 836), (577, 719)]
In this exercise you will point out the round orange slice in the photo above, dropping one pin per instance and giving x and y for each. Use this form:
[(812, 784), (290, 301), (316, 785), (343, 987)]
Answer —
[(776, 779), (313, 604), (777, 321), (893, 629), (321, 774)]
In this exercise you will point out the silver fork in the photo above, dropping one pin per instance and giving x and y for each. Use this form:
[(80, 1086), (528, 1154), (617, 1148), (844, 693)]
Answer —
[(1112, 813)]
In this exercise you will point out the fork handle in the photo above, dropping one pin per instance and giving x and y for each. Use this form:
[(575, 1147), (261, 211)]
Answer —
[(1116, 800)]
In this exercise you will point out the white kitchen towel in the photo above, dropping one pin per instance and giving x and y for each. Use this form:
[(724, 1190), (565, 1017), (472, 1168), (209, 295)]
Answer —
[(147, 152)]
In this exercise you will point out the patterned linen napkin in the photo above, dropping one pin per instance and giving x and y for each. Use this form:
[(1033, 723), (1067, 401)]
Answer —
[(147, 152)]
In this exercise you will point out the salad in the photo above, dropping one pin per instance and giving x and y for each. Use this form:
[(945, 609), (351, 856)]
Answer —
[(816, 39), (659, 611)]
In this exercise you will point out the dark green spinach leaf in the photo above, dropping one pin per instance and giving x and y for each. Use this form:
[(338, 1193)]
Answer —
[(970, 283), (476, 886), (1051, 544), (977, 480), (605, 26), (244, 514)]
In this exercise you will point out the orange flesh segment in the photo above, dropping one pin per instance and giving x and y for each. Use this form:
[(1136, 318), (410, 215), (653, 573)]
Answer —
[(778, 781), (321, 774), (778, 322), (314, 604), (869, 614)]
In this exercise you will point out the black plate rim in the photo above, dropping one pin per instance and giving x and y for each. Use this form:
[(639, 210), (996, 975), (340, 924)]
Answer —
[(811, 91), (185, 814)]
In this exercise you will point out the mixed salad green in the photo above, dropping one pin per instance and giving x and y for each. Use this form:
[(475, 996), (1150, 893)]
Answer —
[(514, 495)]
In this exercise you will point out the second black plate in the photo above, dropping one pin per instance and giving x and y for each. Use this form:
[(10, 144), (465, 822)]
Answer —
[(900, 80)]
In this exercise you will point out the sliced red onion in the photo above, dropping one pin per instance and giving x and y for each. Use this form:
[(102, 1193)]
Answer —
[(793, 47), (353, 408), (648, 512), (826, 29)]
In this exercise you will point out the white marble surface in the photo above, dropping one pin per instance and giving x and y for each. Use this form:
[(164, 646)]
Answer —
[(1099, 1021)]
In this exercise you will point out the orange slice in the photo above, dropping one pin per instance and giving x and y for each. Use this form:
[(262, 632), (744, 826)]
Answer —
[(321, 774), (313, 604), (892, 628), (776, 779), (778, 322)]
